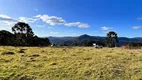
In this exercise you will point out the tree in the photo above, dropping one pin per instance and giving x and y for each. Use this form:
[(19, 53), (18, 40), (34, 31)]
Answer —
[(23, 29), (23, 34), (112, 39)]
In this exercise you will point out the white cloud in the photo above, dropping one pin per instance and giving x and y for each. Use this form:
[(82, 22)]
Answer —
[(51, 20), (6, 20), (26, 20), (106, 28), (137, 27), (78, 24), (54, 32), (72, 24), (4, 16), (43, 26)]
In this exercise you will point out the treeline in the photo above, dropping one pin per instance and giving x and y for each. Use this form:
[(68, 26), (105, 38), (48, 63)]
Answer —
[(133, 45), (22, 36)]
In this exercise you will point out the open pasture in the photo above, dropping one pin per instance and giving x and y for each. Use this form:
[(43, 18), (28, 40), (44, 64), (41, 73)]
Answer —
[(70, 63)]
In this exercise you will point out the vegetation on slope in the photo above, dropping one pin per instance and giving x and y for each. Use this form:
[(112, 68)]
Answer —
[(69, 63), (23, 36)]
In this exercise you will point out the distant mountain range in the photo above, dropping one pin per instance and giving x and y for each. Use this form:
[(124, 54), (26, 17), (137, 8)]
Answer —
[(85, 37)]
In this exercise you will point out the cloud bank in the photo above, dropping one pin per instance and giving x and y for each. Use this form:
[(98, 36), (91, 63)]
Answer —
[(54, 20), (50, 20), (77, 24)]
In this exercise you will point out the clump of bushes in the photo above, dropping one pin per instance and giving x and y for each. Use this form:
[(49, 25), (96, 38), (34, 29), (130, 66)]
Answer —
[(134, 45), (7, 53)]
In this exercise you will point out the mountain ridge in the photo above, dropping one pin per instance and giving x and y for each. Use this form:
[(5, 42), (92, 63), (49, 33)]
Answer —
[(82, 38)]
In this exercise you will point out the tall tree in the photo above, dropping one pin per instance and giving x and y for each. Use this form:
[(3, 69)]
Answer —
[(23, 33), (112, 39), (22, 28)]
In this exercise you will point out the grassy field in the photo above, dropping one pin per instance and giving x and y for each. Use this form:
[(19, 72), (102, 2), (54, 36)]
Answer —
[(70, 63)]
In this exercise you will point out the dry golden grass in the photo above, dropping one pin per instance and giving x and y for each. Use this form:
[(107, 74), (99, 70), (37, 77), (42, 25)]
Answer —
[(70, 63)]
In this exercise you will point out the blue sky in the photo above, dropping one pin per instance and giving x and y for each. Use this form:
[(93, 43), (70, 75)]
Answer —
[(74, 17)]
